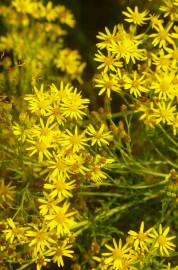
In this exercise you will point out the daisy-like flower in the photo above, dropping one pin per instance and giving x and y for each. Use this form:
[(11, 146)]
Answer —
[(60, 188), (140, 239), (61, 220), (77, 164), (116, 254), (127, 49), (60, 251), (107, 83), (54, 114), (65, 15), (162, 241), (58, 95), (40, 147), (69, 61), (41, 261), (14, 232), (74, 106), (155, 21), (107, 38), (108, 62), (169, 8), (164, 86), (163, 37), (173, 53), (47, 204), (163, 61), (135, 16), (74, 142), (164, 112), (99, 137), (21, 132), (25, 6), (135, 84), (38, 102), (39, 238), (7, 193), (43, 130), (96, 174), (57, 165)]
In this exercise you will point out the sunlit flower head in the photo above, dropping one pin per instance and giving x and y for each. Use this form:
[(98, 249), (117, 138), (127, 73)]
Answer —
[(135, 16), (163, 242), (116, 254), (60, 251), (140, 239)]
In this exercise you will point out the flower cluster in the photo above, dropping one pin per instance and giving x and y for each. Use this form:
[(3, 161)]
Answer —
[(140, 247), (51, 136), (33, 59), (141, 65)]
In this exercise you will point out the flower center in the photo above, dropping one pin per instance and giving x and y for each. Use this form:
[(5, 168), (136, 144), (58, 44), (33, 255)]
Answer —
[(117, 254), (162, 240), (60, 218)]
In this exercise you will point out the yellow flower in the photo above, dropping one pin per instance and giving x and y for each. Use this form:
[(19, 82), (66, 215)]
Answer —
[(70, 61), (163, 61), (74, 106), (140, 239), (163, 37), (163, 243), (47, 204), (107, 83), (60, 251), (7, 193), (136, 85), (107, 38), (164, 86), (21, 132), (96, 174), (173, 53), (169, 8), (58, 95), (60, 188), (108, 62), (41, 148), (164, 112), (43, 130), (41, 261), (135, 16), (116, 255), (77, 163), (23, 6), (127, 49), (51, 14), (61, 220), (74, 142), (54, 114), (14, 232), (100, 136), (58, 165), (155, 21), (38, 102), (39, 239), (65, 15)]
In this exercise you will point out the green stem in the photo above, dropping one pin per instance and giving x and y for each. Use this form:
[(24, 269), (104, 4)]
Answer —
[(168, 136)]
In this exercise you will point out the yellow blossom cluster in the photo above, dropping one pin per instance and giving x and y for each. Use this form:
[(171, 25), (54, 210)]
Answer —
[(32, 45), (138, 60), (138, 249), (51, 135)]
